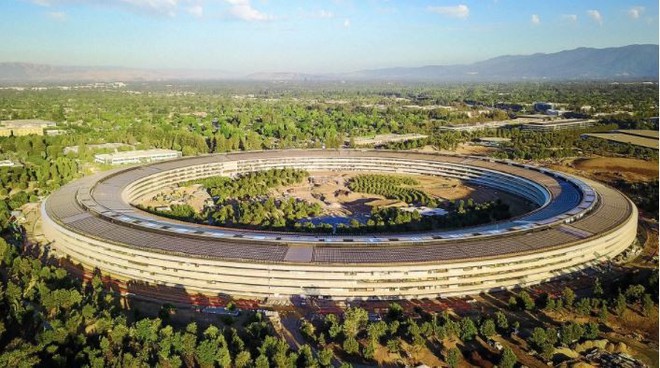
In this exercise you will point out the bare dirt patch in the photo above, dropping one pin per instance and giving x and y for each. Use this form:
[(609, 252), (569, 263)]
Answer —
[(194, 195), (613, 168), (330, 190), (471, 149), (637, 166)]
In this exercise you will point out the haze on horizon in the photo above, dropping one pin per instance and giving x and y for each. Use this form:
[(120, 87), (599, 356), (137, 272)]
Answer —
[(245, 36)]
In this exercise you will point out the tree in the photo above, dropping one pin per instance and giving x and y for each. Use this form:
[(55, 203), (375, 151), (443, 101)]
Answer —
[(620, 304), (306, 357), (453, 357), (487, 328), (243, 359), (571, 332), (647, 304), (393, 346), (539, 337), (351, 346), (354, 320), (395, 312), (583, 306), (369, 350), (603, 314), (508, 358), (525, 301), (591, 330), (598, 288), (502, 321), (262, 362), (307, 330), (325, 357), (468, 329), (376, 330), (513, 303), (569, 297), (635, 292)]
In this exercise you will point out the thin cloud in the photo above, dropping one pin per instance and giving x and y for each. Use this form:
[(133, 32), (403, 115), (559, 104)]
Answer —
[(347, 23), (596, 16), (156, 7), (41, 2), (535, 19), (196, 10), (243, 10), (570, 17), (164, 7), (458, 11), (325, 14), (635, 12), (57, 16)]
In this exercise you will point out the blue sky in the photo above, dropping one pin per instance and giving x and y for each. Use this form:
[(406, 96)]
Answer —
[(243, 36)]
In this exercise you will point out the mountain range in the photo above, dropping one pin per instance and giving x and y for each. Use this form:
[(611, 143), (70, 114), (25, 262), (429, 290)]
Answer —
[(633, 62)]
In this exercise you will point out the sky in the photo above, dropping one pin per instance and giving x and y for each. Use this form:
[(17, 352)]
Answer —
[(320, 36)]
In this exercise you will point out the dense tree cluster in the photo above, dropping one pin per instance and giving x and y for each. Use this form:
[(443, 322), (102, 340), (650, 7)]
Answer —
[(48, 318), (531, 145), (460, 214), (268, 213), (392, 187), (243, 201), (644, 194), (249, 185)]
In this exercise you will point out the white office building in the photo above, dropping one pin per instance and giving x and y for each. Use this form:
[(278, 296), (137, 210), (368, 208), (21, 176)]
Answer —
[(134, 157)]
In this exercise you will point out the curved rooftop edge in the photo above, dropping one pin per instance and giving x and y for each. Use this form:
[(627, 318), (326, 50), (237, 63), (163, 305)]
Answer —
[(577, 223)]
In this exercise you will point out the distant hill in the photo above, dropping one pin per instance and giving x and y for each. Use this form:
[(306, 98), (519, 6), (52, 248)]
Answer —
[(27, 72), (286, 76), (627, 62), (632, 62)]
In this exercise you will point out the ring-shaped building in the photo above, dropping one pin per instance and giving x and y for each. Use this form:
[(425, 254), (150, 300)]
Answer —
[(577, 223)]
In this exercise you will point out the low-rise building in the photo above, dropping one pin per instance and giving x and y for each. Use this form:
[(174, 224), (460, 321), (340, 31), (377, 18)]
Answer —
[(93, 147), (558, 124), (134, 157), (24, 127), (382, 139), (55, 132), (543, 106), (493, 141), (641, 138), (479, 126)]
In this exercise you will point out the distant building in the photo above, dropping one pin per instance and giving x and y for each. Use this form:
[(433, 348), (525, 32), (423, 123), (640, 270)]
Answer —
[(54, 132), (493, 141), (542, 106), (24, 127), (110, 146), (7, 163), (479, 126), (382, 139), (425, 211), (641, 138), (134, 157), (559, 124)]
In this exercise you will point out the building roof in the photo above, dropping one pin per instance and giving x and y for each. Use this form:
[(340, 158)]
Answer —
[(135, 154), (627, 138), (387, 138), (640, 132), (561, 122), (495, 139), (117, 222), (27, 123)]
